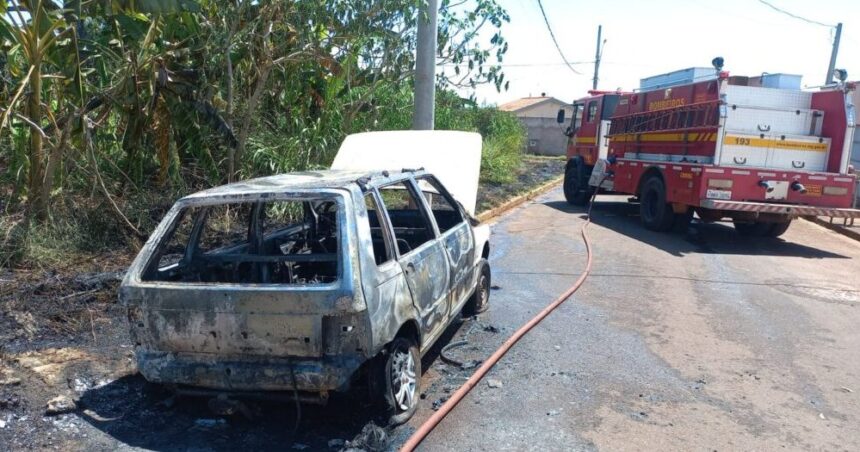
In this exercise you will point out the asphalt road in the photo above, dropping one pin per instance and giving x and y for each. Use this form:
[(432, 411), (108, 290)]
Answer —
[(701, 340)]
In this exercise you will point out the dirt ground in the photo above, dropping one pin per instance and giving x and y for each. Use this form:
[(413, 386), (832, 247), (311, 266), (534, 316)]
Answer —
[(534, 171), (63, 334)]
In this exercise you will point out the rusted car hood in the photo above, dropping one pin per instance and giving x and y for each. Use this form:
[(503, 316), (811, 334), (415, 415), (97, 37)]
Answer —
[(453, 157)]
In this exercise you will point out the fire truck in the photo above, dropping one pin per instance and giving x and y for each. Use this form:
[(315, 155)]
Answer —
[(757, 150)]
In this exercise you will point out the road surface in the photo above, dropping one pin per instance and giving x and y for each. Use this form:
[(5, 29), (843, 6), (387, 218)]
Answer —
[(696, 341)]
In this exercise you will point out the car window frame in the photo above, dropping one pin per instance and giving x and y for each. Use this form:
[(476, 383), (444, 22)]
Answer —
[(173, 217), (385, 225), (447, 196), (412, 186)]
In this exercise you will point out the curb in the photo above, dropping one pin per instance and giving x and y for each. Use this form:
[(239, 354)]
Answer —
[(516, 201), (834, 227)]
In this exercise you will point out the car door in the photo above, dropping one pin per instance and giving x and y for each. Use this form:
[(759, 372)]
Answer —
[(455, 235), (420, 254)]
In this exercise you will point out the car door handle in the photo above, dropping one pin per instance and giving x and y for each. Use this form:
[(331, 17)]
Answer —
[(740, 160), (798, 164), (410, 268)]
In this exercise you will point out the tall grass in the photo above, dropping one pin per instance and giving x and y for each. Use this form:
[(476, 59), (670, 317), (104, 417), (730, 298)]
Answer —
[(83, 223)]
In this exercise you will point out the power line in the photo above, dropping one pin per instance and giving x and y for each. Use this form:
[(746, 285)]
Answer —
[(552, 35), (528, 64), (775, 8)]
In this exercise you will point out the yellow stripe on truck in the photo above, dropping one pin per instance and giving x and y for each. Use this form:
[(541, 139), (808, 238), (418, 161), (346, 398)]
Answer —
[(585, 140), (650, 137), (773, 143)]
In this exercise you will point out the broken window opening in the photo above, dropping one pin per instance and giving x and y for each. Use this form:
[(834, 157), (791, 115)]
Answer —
[(257, 242), (381, 247), (412, 227), (444, 208)]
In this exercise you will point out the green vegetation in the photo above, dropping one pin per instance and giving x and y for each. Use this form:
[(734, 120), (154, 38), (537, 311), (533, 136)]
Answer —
[(109, 111)]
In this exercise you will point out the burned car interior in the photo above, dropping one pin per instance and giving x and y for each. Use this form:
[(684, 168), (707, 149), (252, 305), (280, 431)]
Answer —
[(258, 242)]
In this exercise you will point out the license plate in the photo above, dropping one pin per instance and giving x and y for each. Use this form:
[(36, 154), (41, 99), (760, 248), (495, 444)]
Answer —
[(719, 194)]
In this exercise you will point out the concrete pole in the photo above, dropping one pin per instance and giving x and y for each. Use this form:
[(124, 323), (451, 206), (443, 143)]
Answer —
[(832, 65), (597, 57), (425, 68)]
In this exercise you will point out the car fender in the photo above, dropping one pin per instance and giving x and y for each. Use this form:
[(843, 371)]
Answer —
[(482, 242)]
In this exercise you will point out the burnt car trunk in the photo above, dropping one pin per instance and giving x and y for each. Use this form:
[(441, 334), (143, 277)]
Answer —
[(231, 321), (252, 296)]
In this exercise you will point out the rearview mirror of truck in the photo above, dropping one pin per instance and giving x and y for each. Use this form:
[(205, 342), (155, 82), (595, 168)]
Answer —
[(559, 118)]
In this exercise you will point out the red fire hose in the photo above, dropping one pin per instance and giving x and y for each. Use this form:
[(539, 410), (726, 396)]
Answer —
[(452, 402)]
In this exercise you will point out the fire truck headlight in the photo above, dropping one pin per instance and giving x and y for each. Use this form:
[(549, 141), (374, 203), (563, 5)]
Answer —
[(798, 187), (767, 185)]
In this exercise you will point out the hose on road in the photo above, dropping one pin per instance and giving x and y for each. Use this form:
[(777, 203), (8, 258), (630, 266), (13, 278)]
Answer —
[(473, 381)]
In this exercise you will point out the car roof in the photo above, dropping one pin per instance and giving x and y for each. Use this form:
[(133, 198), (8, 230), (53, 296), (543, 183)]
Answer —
[(302, 181)]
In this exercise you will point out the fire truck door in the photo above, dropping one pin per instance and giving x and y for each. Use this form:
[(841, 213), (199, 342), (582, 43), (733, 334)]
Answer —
[(602, 141)]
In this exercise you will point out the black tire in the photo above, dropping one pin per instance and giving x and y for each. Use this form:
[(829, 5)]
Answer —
[(576, 189), (480, 299), (656, 214), (777, 229), (754, 229), (402, 354)]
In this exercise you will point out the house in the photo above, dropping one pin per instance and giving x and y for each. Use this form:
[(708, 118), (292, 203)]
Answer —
[(538, 115)]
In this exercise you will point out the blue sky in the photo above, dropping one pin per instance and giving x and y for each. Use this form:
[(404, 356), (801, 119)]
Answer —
[(652, 37)]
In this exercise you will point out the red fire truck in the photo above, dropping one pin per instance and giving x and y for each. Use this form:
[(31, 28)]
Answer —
[(718, 146)]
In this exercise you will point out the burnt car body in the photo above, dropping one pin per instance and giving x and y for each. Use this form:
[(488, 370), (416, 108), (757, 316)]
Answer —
[(295, 282)]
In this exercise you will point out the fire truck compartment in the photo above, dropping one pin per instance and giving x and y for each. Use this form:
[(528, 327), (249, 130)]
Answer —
[(773, 128)]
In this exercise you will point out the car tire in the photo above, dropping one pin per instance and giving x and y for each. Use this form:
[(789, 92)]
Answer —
[(401, 373), (576, 189), (754, 229), (480, 299), (656, 214)]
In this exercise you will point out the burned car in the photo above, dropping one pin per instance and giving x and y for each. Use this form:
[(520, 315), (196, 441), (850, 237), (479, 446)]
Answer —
[(303, 282)]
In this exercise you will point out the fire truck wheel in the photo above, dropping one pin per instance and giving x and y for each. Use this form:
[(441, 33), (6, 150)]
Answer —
[(656, 214), (756, 229), (576, 189), (777, 229)]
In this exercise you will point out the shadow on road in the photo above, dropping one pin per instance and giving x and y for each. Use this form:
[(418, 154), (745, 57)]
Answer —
[(700, 238), (148, 416), (140, 414)]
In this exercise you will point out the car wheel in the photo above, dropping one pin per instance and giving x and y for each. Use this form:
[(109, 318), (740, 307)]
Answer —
[(402, 374), (575, 187), (655, 212), (480, 299), (755, 229)]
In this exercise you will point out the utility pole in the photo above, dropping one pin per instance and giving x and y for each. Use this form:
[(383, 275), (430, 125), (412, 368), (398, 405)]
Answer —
[(597, 57), (425, 68), (832, 65)]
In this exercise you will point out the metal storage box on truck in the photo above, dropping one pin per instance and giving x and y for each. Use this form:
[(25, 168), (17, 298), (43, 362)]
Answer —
[(778, 81), (682, 77), (773, 128)]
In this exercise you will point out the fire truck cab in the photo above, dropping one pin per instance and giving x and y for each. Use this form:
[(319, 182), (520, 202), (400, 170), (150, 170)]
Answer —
[(757, 150)]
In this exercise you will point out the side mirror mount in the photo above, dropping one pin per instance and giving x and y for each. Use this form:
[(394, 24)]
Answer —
[(559, 118)]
